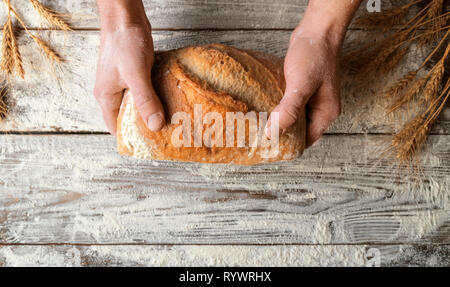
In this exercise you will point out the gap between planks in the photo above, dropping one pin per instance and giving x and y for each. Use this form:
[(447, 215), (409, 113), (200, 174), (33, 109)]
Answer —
[(71, 107), (349, 255), (333, 194), (173, 14), (224, 244)]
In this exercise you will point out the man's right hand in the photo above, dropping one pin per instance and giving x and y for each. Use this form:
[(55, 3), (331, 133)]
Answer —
[(125, 62)]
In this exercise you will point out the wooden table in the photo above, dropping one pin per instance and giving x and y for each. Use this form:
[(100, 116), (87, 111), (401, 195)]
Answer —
[(68, 198)]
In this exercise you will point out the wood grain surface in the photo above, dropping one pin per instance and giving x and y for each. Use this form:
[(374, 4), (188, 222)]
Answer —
[(76, 189), (234, 255), (68, 199), (189, 14), (60, 98)]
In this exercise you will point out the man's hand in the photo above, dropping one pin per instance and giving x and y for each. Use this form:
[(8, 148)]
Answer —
[(312, 80), (311, 67), (125, 62)]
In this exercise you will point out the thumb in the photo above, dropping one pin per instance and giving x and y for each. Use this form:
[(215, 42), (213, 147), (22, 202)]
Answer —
[(299, 89), (147, 102), (323, 111)]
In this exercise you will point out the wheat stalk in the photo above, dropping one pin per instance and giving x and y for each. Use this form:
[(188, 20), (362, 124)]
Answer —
[(18, 65), (52, 17), (7, 62), (48, 51), (369, 58), (3, 105), (394, 60), (387, 53), (423, 28), (410, 140), (16, 56), (11, 57), (408, 143), (439, 103), (434, 11), (390, 53), (429, 84), (435, 8), (400, 85), (432, 87), (410, 94), (387, 19), (380, 54)]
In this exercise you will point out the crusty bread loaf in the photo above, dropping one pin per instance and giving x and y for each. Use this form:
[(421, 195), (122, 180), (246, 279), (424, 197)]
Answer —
[(221, 79)]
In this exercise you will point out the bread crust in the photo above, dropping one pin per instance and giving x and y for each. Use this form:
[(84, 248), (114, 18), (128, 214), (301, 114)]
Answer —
[(221, 79)]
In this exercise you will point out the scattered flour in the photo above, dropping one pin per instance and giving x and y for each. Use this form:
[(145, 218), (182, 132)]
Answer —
[(108, 201), (345, 255)]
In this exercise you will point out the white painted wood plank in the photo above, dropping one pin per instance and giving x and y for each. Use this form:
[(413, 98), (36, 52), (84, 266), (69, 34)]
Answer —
[(44, 103), (167, 256), (76, 189), (413, 255), (225, 256), (191, 14)]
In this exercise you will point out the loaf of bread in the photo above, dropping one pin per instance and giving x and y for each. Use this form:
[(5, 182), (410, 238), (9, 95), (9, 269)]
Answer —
[(221, 80)]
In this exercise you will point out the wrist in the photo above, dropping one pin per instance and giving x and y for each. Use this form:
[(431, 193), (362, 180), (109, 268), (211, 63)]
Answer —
[(324, 34), (121, 13), (327, 21)]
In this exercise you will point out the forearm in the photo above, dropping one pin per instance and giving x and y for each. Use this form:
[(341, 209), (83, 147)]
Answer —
[(328, 18), (116, 13)]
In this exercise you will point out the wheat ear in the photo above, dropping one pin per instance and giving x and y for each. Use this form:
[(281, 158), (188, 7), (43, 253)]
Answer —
[(387, 19), (434, 13), (410, 94), (52, 17), (431, 89), (410, 140), (7, 62), (429, 84), (437, 74), (400, 85), (48, 51), (18, 65), (3, 105)]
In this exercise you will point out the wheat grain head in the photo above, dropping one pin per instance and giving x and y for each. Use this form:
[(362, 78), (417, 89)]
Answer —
[(400, 85), (52, 17), (409, 95), (7, 62), (16, 56), (48, 51), (432, 87), (408, 142)]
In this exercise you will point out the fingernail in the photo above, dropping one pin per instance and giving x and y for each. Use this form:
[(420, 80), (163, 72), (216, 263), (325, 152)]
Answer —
[(155, 122)]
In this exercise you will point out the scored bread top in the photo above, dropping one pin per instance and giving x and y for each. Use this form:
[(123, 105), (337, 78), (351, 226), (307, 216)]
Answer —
[(221, 79)]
